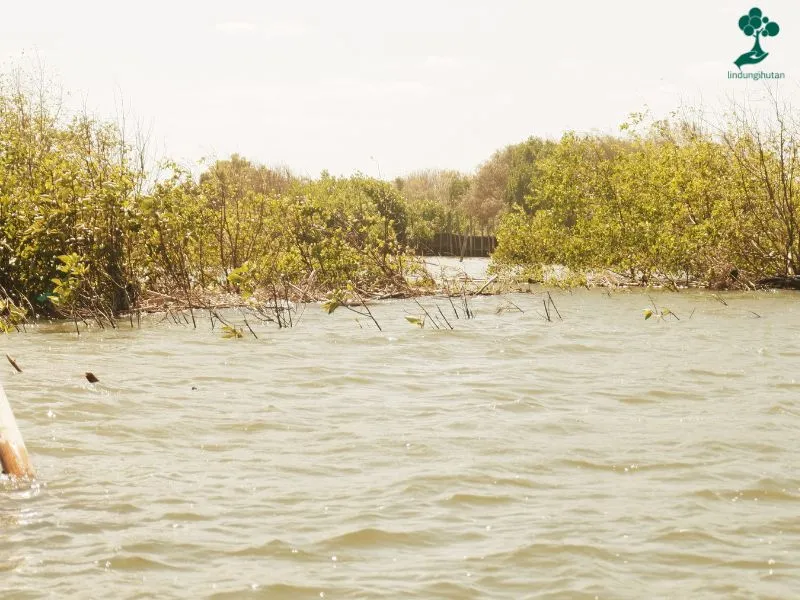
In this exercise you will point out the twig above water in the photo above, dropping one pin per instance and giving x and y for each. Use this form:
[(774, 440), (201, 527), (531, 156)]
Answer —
[(489, 282), (445, 318), (428, 315), (560, 318)]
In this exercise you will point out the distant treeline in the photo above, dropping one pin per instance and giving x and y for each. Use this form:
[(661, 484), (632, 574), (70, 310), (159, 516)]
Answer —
[(88, 226)]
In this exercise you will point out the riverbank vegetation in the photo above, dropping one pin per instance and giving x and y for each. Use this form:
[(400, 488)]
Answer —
[(91, 229), (682, 201), (88, 230)]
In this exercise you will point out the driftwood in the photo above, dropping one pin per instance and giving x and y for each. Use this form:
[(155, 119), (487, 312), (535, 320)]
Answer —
[(14, 457)]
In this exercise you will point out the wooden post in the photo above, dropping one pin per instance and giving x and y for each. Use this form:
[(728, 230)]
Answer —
[(13, 455)]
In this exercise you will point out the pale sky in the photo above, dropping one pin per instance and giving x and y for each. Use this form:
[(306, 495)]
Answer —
[(361, 85)]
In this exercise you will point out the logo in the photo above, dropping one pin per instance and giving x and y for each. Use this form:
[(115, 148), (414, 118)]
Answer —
[(756, 25)]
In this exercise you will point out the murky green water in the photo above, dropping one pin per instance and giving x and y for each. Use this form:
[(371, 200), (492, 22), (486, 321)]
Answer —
[(603, 456)]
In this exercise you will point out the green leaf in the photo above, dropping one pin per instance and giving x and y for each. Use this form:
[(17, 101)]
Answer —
[(647, 313), (229, 332), (331, 305), (419, 321)]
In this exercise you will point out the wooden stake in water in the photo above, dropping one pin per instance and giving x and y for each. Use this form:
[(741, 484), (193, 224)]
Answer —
[(13, 455)]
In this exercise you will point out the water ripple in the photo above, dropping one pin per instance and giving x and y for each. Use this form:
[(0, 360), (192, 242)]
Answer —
[(602, 456)]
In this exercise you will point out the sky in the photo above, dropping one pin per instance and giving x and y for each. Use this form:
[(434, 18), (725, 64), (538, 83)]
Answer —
[(388, 88)]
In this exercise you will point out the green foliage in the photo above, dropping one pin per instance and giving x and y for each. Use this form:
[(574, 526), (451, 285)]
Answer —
[(81, 232), (67, 186), (435, 204), (240, 208), (673, 201), (86, 228), (504, 181), (331, 304), (241, 280), (11, 315), (345, 231), (230, 332), (446, 202), (68, 286), (418, 321)]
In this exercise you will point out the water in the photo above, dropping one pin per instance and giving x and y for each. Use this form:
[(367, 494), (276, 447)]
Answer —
[(604, 456)]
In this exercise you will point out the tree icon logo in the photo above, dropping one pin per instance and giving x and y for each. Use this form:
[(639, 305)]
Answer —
[(755, 24)]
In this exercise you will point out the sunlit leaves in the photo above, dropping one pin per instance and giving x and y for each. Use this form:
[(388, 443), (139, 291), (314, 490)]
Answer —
[(669, 201), (418, 321), (231, 332), (67, 189), (330, 305), (11, 315)]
